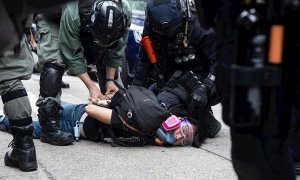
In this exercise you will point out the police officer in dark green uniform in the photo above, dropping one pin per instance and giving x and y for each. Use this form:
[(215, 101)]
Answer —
[(17, 65), (49, 99), (93, 31)]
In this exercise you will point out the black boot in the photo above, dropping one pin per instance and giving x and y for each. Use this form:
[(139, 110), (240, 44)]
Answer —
[(65, 85), (50, 132), (205, 116), (214, 126), (23, 154)]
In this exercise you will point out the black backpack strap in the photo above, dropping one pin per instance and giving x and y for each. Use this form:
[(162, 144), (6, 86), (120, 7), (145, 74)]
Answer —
[(118, 97), (136, 141)]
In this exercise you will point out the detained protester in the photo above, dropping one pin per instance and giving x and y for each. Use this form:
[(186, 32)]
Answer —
[(183, 65), (104, 119), (92, 31)]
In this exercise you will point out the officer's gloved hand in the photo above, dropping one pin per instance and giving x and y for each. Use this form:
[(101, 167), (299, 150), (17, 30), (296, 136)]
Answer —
[(189, 81), (201, 93)]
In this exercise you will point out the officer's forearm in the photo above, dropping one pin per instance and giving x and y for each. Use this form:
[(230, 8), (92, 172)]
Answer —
[(87, 80), (110, 72)]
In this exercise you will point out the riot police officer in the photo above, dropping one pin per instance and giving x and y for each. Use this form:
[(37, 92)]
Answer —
[(185, 54), (90, 31), (258, 73), (17, 65)]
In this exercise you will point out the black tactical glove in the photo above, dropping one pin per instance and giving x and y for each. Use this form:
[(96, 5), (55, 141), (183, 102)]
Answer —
[(189, 81), (201, 93)]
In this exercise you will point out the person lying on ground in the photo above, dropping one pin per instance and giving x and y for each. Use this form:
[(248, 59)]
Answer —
[(74, 116), (96, 123)]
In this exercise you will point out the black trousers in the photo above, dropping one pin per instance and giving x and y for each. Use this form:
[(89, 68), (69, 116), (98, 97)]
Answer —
[(256, 156)]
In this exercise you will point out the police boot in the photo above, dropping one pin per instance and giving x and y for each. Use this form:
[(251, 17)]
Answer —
[(65, 85), (214, 126), (23, 154), (50, 132)]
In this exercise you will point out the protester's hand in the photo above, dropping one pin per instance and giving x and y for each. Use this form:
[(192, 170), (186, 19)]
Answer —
[(111, 88), (109, 96), (99, 102)]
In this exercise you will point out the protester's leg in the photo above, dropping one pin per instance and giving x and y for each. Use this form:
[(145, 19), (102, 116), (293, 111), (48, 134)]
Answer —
[(50, 85), (4, 126), (68, 118), (4, 123), (18, 109)]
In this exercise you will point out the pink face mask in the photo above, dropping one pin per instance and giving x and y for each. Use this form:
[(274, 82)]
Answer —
[(172, 123), (166, 131)]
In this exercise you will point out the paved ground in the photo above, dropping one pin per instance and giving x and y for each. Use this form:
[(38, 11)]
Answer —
[(89, 160)]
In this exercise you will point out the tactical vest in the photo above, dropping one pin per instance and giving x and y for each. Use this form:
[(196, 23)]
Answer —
[(173, 55)]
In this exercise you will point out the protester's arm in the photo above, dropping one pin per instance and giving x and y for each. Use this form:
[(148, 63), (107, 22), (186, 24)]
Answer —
[(102, 114)]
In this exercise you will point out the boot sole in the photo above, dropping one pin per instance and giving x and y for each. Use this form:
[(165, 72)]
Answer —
[(63, 143), (23, 166)]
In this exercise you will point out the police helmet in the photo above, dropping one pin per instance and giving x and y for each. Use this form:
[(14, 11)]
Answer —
[(108, 22), (165, 17)]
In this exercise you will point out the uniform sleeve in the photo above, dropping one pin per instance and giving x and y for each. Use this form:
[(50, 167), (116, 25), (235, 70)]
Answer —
[(116, 54), (205, 42), (70, 44)]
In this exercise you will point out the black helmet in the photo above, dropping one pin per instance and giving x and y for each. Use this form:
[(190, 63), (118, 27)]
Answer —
[(108, 22), (164, 16)]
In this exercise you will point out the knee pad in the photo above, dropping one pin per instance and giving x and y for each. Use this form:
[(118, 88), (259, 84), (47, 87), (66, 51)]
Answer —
[(50, 80)]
